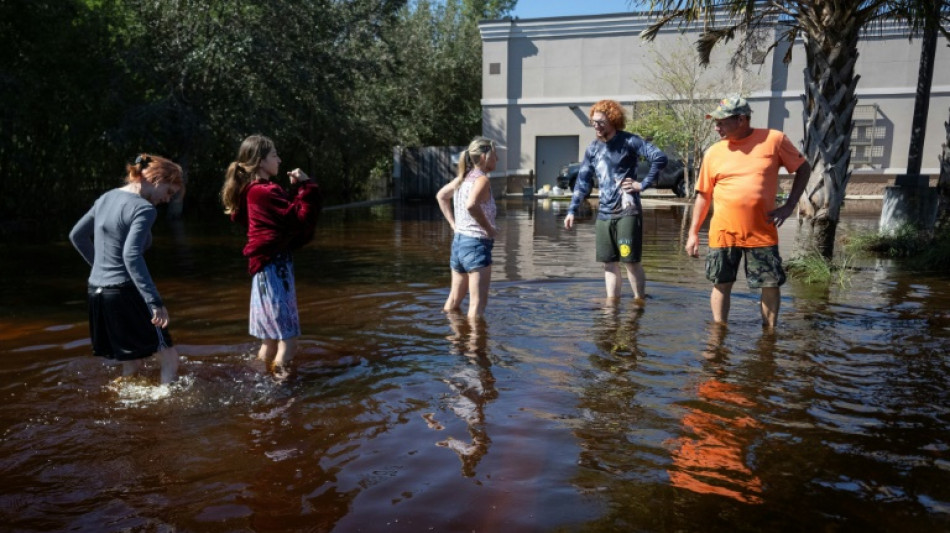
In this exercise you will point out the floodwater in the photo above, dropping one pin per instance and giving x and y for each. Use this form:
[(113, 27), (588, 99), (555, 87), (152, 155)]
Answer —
[(556, 413)]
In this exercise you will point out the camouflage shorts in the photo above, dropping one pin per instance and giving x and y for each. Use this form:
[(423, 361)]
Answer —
[(763, 266)]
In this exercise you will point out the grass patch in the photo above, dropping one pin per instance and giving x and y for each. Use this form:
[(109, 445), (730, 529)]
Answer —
[(905, 241), (921, 250), (813, 268)]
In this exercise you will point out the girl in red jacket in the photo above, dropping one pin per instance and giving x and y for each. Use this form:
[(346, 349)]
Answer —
[(278, 221)]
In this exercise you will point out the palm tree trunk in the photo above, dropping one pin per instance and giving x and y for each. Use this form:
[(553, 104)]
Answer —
[(829, 101), (943, 186)]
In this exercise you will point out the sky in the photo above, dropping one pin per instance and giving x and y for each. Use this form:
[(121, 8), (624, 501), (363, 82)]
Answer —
[(531, 9)]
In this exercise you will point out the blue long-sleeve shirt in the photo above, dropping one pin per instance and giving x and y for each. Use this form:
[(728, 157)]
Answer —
[(113, 236), (610, 163)]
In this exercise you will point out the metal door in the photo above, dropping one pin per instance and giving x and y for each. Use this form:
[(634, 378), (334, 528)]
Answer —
[(552, 153)]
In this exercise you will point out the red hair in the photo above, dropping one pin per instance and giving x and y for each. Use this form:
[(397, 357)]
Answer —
[(154, 169), (612, 110)]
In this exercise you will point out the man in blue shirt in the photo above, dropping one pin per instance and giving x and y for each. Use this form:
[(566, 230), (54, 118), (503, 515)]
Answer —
[(612, 159)]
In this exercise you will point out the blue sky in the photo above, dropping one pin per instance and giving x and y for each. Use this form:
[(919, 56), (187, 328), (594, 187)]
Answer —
[(530, 9)]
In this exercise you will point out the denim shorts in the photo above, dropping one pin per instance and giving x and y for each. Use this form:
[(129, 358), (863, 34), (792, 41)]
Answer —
[(470, 253), (763, 266)]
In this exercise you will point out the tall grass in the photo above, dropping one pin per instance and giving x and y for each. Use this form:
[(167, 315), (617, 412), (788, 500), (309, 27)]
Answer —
[(921, 250), (813, 268)]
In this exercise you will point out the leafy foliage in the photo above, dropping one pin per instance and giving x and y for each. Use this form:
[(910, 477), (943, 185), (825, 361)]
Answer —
[(336, 83), (685, 92), (923, 251)]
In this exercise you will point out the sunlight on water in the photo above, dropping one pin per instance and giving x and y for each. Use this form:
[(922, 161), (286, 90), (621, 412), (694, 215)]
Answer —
[(137, 391)]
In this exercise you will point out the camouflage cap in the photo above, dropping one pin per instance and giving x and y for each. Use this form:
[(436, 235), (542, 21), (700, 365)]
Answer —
[(729, 107)]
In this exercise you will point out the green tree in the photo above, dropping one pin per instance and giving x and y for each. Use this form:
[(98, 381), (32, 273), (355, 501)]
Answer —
[(431, 94), (214, 72), (685, 91), (60, 92), (337, 83), (830, 31)]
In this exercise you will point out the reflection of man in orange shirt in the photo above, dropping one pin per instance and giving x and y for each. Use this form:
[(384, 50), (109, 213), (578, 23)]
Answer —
[(712, 462), (739, 176)]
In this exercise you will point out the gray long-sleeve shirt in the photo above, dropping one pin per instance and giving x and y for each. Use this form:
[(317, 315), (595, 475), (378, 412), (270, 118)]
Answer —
[(113, 236), (609, 163)]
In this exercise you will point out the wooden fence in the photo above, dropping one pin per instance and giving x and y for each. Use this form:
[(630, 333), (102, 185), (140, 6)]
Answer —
[(419, 173)]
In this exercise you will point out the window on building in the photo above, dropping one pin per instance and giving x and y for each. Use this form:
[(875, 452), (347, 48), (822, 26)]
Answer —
[(494, 68), (867, 136)]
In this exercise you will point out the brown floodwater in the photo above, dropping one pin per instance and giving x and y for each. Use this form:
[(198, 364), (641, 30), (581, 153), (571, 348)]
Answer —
[(557, 413)]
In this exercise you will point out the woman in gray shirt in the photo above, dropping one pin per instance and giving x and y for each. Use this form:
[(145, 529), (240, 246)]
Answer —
[(127, 319)]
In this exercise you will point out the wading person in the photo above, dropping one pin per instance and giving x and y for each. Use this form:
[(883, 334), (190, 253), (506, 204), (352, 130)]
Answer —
[(469, 207), (278, 221), (127, 319), (739, 177), (610, 163)]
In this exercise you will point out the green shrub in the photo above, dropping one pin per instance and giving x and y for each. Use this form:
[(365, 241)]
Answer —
[(922, 250)]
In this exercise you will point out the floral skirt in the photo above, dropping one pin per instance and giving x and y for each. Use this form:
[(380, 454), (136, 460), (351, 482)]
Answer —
[(274, 301)]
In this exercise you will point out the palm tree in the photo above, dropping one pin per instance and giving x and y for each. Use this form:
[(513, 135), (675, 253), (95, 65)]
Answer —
[(943, 186), (829, 30)]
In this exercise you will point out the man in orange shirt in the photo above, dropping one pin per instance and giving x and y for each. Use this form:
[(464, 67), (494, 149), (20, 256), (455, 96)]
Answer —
[(739, 175)]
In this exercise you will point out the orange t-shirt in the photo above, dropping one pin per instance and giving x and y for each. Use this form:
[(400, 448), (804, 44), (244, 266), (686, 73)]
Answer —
[(742, 178)]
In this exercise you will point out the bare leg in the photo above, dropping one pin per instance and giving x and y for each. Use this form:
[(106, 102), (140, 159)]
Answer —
[(131, 368), (268, 350), (638, 280), (715, 351), (457, 291), (612, 279), (771, 301), (719, 301), (286, 349), (169, 361), (478, 283)]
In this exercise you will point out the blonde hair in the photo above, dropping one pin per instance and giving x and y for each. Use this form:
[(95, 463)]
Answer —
[(242, 171), (478, 149), (154, 169)]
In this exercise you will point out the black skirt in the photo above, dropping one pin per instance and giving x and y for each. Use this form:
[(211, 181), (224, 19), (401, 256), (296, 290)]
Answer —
[(120, 324)]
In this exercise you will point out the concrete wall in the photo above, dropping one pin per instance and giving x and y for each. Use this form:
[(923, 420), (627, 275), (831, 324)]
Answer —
[(549, 72)]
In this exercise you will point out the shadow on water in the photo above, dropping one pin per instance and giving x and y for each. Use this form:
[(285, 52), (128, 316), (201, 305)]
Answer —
[(558, 411)]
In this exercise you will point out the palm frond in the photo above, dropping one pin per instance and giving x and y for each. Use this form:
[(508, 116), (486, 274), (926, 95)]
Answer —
[(663, 19), (710, 38)]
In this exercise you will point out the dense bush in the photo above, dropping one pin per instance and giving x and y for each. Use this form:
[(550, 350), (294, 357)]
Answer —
[(336, 83)]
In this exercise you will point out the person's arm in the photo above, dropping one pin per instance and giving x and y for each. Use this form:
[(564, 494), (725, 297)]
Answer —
[(82, 236), (306, 201), (292, 215), (700, 210), (582, 186), (657, 160), (444, 197), (481, 190), (133, 255), (305, 207), (802, 173)]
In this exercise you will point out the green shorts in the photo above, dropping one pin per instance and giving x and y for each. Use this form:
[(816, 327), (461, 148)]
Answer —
[(619, 239), (763, 266)]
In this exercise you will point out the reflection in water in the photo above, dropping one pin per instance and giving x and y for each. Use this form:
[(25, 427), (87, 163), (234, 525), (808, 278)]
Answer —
[(473, 385), (611, 420), (616, 330), (712, 458)]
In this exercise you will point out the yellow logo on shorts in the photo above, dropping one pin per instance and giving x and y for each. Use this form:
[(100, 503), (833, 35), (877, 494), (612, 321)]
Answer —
[(624, 250)]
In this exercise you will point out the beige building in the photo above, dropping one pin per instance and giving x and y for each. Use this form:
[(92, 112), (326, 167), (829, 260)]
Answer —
[(540, 76)]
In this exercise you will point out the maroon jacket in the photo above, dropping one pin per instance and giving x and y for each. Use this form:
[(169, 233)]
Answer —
[(277, 220)]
